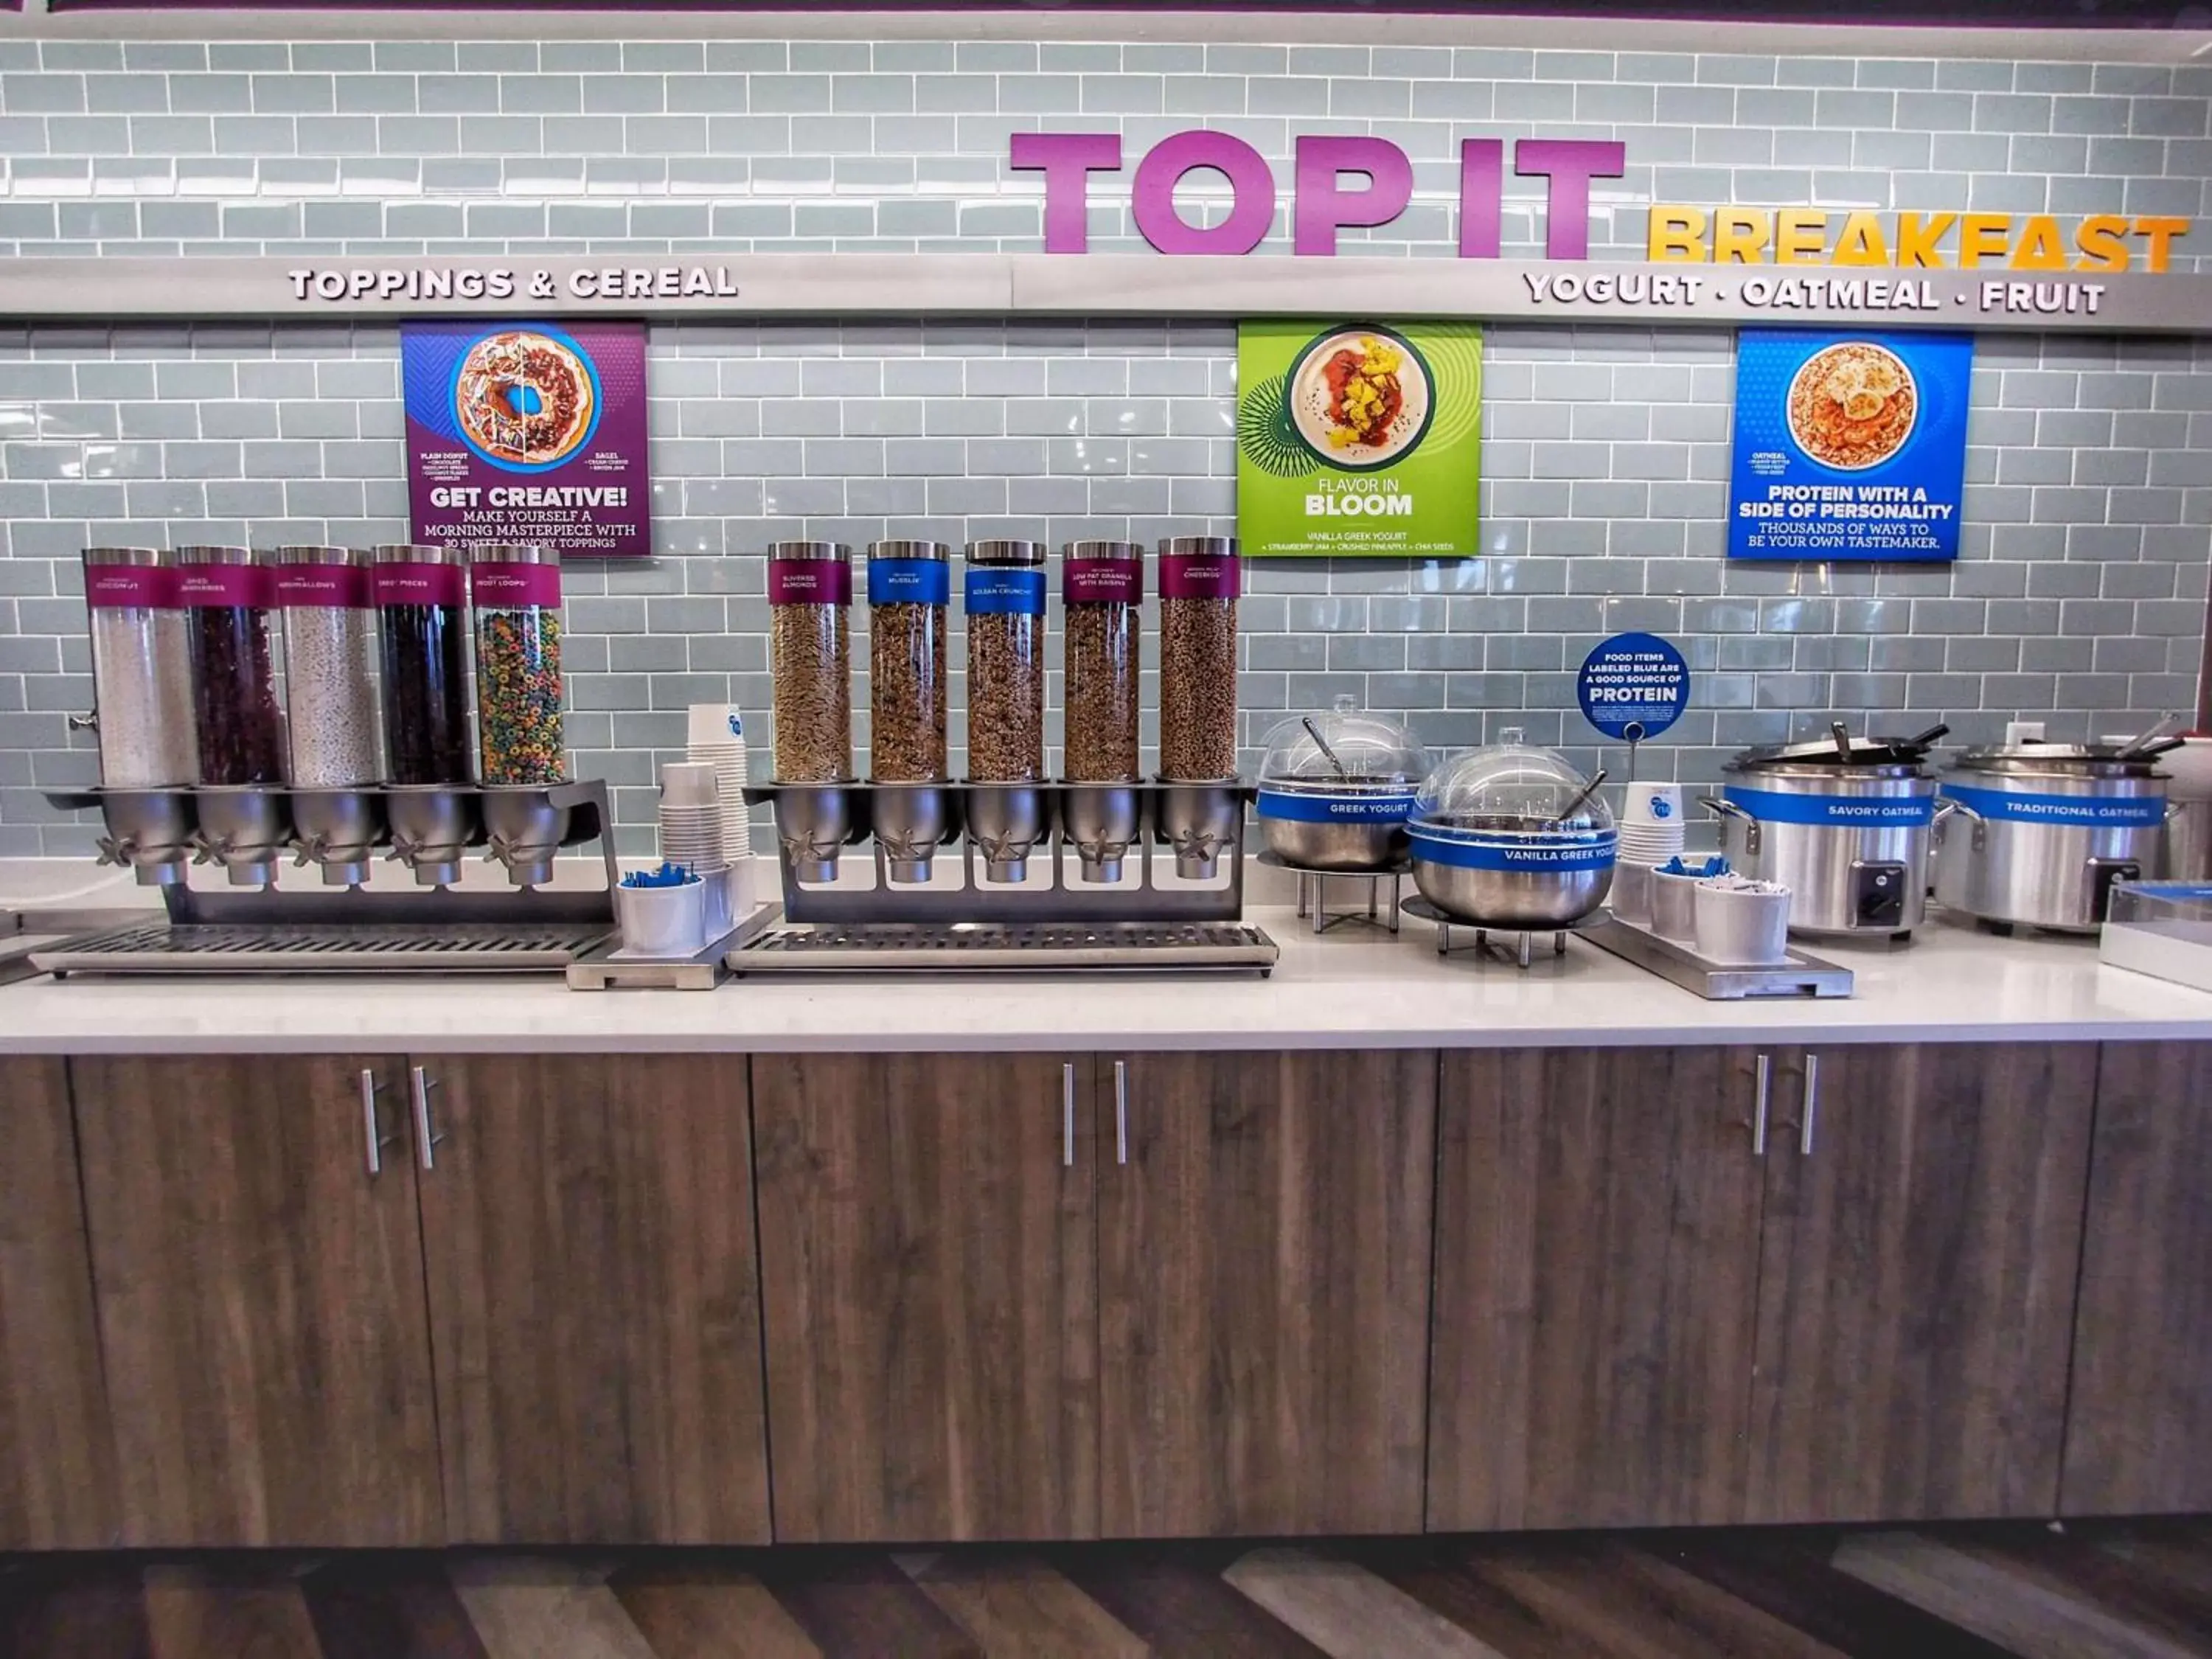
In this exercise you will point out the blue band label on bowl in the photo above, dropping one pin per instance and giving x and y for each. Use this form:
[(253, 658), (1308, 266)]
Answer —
[(908, 581), (1303, 806), (1534, 857), (1004, 593), (1835, 811), (2098, 811)]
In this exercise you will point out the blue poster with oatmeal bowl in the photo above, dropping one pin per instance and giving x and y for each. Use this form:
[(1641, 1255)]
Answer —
[(1848, 446)]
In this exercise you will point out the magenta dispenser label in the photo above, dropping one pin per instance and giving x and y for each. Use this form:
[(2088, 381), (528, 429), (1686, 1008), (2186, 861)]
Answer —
[(129, 587), (1200, 576), (417, 584), (328, 586), (1102, 582), (810, 581), (225, 587), (516, 587)]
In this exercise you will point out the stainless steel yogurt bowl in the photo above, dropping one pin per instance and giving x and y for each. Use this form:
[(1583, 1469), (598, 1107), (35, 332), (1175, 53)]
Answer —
[(1502, 877), (1335, 789), (1344, 826)]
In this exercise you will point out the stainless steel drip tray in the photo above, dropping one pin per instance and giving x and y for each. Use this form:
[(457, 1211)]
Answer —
[(990, 947), (423, 948)]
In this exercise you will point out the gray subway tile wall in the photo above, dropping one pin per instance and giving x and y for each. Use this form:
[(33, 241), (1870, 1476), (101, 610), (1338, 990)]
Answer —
[(2078, 598)]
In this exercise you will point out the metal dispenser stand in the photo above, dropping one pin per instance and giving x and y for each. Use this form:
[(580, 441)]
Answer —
[(251, 926), (994, 917)]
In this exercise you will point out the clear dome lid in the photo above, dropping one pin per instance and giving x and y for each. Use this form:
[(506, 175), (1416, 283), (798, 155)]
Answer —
[(1512, 786), (1342, 749)]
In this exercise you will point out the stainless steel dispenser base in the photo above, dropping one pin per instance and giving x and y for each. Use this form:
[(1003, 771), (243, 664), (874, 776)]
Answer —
[(910, 824), (1102, 821), (338, 830), (1802, 975), (812, 824), (433, 827), (524, 829), (1100, 824), (1005, 822), (347, 927), (151, 832), (1201, 821), (247, 830), (957, 948), (429, 948)]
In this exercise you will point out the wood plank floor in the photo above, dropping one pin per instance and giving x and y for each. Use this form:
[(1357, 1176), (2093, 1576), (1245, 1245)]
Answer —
[(2129, 1591)]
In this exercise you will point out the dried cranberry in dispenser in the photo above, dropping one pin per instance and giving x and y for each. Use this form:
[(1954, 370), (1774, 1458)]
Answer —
[(421, 595), (229, 596)]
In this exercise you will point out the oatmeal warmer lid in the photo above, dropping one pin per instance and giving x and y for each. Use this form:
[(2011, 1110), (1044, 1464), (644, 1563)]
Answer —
[(1840, 749)]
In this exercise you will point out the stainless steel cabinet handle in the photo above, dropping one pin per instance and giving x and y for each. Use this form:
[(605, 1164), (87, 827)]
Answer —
[(1812, 1103), (1766, 1090), (425, 1138), (1120, 1111), (1067, 1116), (370, 1088)]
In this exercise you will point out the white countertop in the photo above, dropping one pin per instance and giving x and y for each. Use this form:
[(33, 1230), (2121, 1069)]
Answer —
[(1352, 987)]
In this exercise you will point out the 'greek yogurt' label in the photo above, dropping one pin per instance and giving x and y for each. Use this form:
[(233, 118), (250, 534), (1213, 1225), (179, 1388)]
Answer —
[(1302, 807)]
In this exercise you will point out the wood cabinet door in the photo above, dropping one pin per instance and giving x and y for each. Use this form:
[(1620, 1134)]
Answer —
[(929, 1275), (1264, 1239), (59, 1488), (1917, 1281), (261, 1299), (2139, 1426), (587, 1224), (1597, 1233)]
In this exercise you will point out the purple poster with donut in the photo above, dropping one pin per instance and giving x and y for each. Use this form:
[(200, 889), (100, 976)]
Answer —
[(527, 432)]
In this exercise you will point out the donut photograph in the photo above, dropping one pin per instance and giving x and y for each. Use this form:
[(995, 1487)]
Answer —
[(525, 398)]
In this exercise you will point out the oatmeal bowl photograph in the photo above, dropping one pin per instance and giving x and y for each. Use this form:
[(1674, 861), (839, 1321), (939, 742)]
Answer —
[(1853, 405)]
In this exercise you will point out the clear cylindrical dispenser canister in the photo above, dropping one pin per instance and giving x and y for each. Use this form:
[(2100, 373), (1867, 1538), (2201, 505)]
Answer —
[(330, 667), (1003, 596), (229, 597), (515, 591), (910, 584), (421, 595), (809, 594), (142, 669), (1103, 585), (1199, 579)]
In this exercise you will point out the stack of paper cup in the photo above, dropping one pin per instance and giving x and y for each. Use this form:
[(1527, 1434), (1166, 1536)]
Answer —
[(691, 835), (1650, 824), (717, 738)]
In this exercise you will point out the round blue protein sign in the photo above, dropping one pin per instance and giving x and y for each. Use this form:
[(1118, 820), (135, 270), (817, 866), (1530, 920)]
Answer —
[(1634, 685)]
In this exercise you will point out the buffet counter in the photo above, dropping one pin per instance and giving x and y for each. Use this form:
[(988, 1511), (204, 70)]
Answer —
[(1353, 987)]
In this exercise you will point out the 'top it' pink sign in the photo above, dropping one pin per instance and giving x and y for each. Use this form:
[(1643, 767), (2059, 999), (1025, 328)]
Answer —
[(1322, 205)]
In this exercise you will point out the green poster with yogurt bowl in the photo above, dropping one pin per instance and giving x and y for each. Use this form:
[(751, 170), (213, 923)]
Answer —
[(1358, 440)]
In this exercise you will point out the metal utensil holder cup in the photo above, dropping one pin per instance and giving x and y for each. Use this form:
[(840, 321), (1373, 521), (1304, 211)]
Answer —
[(159, 833), (1198, 827)]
